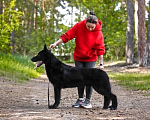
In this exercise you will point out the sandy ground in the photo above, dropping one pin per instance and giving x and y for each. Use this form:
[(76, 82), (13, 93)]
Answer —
[(28, 101)]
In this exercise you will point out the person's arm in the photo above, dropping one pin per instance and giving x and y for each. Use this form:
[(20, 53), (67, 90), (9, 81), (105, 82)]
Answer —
[(100, 58), (56, 43), (69, 35)]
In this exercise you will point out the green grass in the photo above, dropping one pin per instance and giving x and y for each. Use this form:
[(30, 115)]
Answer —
[(135, 81), (18, 68)]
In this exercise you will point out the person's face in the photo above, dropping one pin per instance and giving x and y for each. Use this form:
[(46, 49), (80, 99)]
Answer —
[(90, 26)]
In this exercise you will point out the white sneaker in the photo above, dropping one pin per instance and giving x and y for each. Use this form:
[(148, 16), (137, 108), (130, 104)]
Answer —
[(86, 104), (78, 103)]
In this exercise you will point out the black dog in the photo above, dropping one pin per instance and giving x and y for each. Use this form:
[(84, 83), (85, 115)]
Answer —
[(64, 76)]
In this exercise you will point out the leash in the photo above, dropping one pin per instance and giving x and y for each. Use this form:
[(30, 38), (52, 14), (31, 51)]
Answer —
[(48, 95)]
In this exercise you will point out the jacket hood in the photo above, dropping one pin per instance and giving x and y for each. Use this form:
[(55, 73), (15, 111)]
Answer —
[(98, 26)]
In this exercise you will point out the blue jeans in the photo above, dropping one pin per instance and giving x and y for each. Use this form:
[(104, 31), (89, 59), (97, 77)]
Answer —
[(89, 89)]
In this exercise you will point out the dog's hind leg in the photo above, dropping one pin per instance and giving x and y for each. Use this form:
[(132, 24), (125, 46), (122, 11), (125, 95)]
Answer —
[(106, 102), (114, 102), (107, 97), (57, 91), (105, 94)]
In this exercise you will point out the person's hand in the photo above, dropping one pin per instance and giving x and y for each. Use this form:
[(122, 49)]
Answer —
[(56, 43), (101, 67), (52, 46)]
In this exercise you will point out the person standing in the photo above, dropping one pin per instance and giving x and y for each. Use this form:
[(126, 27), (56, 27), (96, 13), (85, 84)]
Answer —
[(89, 43)]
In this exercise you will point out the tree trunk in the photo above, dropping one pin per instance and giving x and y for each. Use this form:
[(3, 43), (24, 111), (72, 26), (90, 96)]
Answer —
[(1, 7), (148, 37), (31, 22), (136, 28), (12, 36), (130, 33), (141, 34), (35, 13), (26, 21), (71, 16), (43, 14), (13, 42)]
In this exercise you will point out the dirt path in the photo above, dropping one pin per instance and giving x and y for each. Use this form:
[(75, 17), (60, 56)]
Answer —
[(29, 102)]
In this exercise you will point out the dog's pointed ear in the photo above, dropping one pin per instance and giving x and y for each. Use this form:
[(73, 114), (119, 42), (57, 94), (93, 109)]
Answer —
[(45, 47)]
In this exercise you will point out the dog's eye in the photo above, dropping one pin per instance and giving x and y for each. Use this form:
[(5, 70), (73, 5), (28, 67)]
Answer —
[(39, 54)]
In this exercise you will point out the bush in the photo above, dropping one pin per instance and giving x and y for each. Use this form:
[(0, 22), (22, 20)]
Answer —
[(18, 68)]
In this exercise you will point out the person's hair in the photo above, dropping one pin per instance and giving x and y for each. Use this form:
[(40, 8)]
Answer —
[(92, 18)]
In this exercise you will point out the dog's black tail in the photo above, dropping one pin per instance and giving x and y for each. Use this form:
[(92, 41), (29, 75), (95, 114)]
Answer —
[(48, 95)]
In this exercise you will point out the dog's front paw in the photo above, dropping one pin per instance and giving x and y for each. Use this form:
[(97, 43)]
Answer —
[(112, 108), (52, 106), (105, 108)]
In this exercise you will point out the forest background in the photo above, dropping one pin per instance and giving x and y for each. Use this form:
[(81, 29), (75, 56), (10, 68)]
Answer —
[(26, 25)]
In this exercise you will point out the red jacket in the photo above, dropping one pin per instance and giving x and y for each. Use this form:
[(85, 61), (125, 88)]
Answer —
[(88, 44)]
